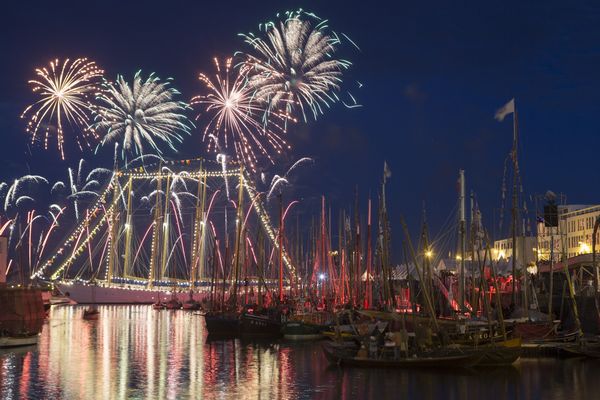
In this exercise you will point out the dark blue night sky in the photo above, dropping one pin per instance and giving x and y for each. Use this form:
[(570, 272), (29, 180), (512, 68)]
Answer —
[(433, 74)]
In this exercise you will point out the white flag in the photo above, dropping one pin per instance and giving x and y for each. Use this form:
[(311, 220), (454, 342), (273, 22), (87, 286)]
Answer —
[(508, 108), (387, 173)]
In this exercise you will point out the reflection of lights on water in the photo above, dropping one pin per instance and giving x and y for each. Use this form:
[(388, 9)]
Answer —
[(135, 351)]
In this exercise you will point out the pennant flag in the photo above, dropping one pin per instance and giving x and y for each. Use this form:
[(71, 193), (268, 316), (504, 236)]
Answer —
[(508, 108), (387, 173)]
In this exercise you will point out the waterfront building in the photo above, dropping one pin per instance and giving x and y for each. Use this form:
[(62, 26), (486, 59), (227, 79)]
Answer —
[(579, 226), (551, 235), (524, 252)]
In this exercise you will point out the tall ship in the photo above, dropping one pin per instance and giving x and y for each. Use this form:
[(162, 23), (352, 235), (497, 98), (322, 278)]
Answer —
[(174, 230)]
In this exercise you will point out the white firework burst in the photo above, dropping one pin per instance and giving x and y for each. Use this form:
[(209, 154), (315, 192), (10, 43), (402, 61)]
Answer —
[(235, 117), (294, 65), (141, 115), (65, 90)]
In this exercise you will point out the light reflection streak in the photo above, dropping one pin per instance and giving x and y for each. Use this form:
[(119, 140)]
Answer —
[(138, 352)]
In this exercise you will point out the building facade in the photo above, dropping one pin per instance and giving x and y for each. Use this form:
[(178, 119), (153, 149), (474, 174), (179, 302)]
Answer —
[(579, 227), (524, 252), (549, 236)]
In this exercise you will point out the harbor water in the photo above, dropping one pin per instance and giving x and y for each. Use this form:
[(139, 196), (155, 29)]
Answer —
[(135, 352)]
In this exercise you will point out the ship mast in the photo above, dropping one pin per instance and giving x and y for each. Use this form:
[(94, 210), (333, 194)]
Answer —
[(113, 258), (462, 231), (165, 229), (199, 230), (369, 296), (128, 231), (515, 200), (238, 236), (155, 233), (280, 238)]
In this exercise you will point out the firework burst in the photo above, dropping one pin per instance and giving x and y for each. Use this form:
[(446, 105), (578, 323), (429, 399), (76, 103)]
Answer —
[(143, 113), (236, 119), (65, 90), (294, 64)]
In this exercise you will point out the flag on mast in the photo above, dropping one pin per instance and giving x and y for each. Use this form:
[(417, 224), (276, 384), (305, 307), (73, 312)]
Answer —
[(387, 173), (508, 108)]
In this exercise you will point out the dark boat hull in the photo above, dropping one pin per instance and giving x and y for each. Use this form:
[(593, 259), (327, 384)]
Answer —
[(222, 325), (252, 325), (299, 330), (343, 358), (501, 354)]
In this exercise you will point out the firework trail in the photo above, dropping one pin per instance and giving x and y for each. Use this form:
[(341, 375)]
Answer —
[(142, 114), (177, 189), (278, 180), (65, 90), (81, 186), (17, 194), (297, 164), (293, 64), (18, 199), (237, 118)]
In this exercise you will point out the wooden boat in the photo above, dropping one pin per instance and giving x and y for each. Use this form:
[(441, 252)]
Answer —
[(336, 334), (173, 303), (91, 313), (306, 325), (222, 324), (158, 306), (259, 325), (500, 354), (21, 316), (533, 330), (343, 357), (19, 340), (582, 349), (191, 305), (300, 330)]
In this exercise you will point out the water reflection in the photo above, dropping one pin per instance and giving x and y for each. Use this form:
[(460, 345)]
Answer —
[(137, 352)]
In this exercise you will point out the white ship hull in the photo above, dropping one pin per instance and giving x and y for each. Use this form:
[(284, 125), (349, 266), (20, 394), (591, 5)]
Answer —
[(129, 294)]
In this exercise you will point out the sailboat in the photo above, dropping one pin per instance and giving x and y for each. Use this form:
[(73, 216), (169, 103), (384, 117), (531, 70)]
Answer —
[(21, 316), (173, 303), (92, 313), (191, 304)]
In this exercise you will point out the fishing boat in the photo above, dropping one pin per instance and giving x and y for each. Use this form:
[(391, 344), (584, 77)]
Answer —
[(92, 313), (191, 304), (500, 354), (21, 316), (222, 324), (582, 348), (345, 357), (158, 304), (173, 303), (19, 340), (306, 325), (260, 325), (300, 330)]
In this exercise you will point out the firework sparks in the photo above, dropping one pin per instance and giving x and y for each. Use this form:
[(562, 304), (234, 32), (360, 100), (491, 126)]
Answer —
[(21, 191), (144, 112), (294, 66), (237, 118), (65, 90), (79, 186)]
